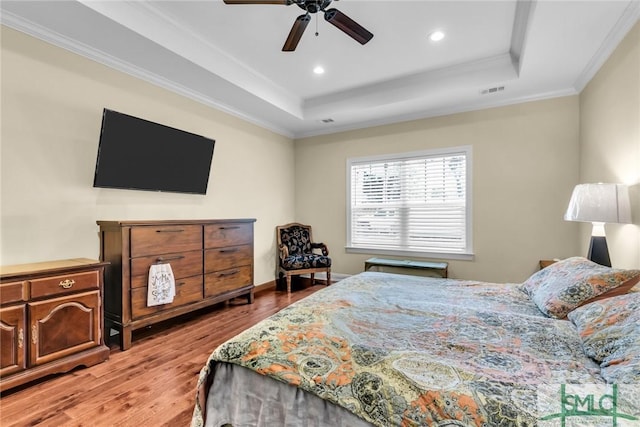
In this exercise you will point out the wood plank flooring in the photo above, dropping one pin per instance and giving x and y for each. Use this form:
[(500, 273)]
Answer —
[(151, 384)]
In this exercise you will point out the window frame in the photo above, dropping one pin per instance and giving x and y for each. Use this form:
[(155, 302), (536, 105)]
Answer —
[(467, 253)]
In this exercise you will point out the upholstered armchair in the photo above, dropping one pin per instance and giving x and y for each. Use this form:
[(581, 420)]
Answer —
[(296, 253)]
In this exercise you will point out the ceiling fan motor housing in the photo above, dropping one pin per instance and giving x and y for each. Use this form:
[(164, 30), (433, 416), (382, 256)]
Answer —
[(313, 6), (333, 16)]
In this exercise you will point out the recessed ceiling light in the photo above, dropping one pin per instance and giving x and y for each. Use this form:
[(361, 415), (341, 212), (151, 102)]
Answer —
[(318, 70), (436, 36)]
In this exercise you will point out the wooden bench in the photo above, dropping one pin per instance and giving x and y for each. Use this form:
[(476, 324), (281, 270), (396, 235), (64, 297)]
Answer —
[(422, 268)]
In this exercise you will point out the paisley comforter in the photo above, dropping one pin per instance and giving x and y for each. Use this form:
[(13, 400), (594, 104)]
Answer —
[(401, 350)]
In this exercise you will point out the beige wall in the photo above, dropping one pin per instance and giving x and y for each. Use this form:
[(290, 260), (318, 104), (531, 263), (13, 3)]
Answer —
[(52, 103), (610, 142), (525, 165), (526, 160)]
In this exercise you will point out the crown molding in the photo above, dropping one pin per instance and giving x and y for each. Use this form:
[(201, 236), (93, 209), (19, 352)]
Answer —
[(288, 115), (25, 26), (438, 112), (628, 19), (153, 24)]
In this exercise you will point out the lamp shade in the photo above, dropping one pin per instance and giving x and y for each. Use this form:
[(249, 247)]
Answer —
[(607, 203)]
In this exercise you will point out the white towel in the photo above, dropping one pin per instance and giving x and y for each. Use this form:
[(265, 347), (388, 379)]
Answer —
[(162, 286)]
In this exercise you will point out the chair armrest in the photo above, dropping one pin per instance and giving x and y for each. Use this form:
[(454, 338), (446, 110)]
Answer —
[(283, 251), (321, 246)]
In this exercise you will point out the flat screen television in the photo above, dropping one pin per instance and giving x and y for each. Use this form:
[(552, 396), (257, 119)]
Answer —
[(137, 154)]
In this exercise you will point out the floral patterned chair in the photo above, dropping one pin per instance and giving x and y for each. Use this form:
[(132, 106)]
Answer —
[(296, 253)]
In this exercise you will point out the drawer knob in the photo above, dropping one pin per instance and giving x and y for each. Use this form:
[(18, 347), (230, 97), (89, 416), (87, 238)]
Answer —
[(20, 338), (67, 284)]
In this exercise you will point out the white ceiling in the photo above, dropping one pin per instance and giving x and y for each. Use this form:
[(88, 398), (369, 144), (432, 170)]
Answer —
[(229, 56)]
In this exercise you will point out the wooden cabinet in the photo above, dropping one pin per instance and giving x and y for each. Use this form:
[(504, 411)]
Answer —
[(544, 263), (12, 333), (50, 319), (211, 261)]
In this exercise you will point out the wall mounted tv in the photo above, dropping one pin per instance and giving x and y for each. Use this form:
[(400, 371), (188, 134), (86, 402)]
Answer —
[(137, 154)]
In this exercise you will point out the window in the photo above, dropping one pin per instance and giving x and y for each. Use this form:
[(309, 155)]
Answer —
[(415, 204)]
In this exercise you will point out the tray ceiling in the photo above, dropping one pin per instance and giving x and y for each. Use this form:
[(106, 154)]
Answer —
[(229, 56)]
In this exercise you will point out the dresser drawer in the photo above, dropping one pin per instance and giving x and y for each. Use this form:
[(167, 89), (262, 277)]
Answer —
[(221, 235), (227, 280), (165, 239), (185, 264), (187, 291), (64, 284), (225, 258), (13, 292)]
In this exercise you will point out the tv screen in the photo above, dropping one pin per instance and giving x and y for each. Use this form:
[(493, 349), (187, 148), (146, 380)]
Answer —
[(141, 155)]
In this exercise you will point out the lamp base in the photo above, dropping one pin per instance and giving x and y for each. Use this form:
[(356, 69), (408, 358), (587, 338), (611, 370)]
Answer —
[(599, 251)]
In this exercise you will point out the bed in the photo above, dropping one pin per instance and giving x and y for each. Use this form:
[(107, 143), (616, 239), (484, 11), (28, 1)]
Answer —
[(393, 350)]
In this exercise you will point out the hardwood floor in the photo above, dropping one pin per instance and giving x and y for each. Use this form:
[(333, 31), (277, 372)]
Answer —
[(153, 383)]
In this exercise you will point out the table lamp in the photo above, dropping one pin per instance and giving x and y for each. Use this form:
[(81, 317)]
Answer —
[(599, 204)]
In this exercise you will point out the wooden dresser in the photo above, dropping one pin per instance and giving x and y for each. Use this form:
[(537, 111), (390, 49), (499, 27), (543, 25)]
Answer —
[(50, 319), (211, 260)]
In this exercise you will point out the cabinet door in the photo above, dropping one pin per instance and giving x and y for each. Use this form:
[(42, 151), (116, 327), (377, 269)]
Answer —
[(63, 326), (12, 340)]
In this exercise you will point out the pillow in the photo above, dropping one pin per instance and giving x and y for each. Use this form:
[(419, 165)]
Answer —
[(626, 371), (570, 283), (610, 334), (603, 324)]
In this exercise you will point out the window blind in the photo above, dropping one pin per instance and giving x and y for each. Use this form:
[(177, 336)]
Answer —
[(415, 203)]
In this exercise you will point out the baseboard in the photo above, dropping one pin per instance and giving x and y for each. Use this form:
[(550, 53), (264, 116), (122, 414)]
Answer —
[(271, 285), (264, 287)]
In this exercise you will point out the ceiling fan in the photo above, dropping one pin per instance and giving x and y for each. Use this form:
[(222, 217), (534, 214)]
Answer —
[(333, 16)]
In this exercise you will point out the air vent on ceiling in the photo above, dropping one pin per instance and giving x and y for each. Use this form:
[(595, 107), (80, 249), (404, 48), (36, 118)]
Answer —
[(492, 90)]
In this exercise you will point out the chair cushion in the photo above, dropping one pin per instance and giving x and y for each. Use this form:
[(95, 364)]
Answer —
[(296, 239), (297, 262)]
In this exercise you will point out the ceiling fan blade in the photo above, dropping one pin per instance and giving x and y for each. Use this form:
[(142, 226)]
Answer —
[(284, 2), (348, 25), (296, 32)]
